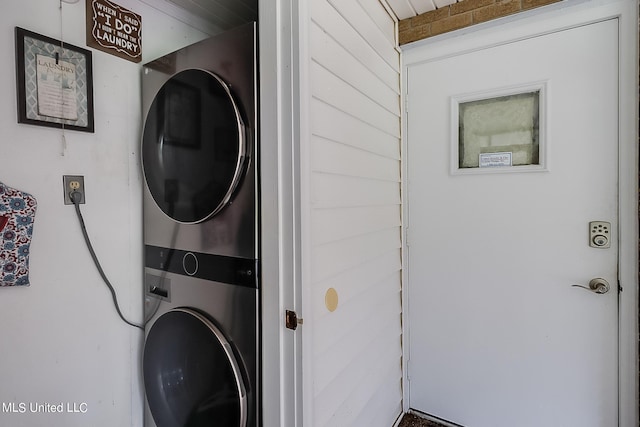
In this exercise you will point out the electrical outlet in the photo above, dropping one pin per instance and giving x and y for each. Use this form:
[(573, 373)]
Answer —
[(73, 183)]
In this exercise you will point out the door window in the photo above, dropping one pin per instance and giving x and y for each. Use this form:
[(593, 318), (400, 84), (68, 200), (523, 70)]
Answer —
[(500, 129)]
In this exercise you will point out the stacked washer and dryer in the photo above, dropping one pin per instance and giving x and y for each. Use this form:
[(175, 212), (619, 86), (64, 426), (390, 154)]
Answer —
[(201, 359)]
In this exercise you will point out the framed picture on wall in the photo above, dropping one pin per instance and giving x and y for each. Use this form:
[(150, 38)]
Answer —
[(54, 82)]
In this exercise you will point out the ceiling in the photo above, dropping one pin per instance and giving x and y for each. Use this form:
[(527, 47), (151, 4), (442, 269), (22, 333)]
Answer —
[(409, 8), (227, 14), (224, 14)]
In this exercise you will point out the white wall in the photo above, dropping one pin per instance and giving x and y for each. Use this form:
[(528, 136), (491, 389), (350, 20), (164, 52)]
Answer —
[(61, 339), (350, 154)]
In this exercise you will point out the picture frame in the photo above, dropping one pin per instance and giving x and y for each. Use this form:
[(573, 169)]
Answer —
[(54, 82)]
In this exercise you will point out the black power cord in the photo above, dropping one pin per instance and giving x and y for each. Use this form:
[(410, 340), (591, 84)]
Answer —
[(75, 197)]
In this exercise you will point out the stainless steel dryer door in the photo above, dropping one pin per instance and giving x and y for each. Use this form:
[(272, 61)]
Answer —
[(194, 148), (191, 375)]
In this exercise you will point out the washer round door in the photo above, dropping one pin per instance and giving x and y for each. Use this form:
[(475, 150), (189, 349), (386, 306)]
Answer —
[(191, 375), (194, 148)]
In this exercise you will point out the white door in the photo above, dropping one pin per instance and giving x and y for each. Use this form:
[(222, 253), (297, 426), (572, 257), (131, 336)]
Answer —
[(498, 336)]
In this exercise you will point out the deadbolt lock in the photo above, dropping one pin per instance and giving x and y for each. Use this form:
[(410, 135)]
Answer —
[(600, 241), (600, 234)]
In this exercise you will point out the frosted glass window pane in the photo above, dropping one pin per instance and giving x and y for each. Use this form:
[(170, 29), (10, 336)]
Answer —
[(507, 124)]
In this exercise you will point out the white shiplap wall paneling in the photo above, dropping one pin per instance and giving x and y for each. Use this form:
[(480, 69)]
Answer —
[(333, 224), (360, 308), (341, 159), (352, 12), (336, 257), (354, 214), (380, 16), (339, 191), (354, 282), (330, 123), (340, 62), (386, 66), (346, 98), (371, 415), (360, 355)]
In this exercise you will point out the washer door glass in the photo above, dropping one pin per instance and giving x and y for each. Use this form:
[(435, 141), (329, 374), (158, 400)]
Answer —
[(193, 146), (191, 376)]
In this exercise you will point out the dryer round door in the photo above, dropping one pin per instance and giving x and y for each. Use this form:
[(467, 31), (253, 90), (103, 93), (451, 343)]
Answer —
[(191, 375), (194, 148)]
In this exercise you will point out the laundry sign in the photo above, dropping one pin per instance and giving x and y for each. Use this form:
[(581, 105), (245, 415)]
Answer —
[(114, 29)]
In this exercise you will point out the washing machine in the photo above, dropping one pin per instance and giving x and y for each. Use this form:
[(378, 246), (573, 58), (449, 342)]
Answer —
[(201, 359)]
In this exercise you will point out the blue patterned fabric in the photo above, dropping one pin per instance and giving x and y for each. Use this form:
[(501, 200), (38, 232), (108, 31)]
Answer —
[(17, 214)]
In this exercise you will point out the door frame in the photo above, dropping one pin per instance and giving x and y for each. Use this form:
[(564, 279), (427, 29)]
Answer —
[(553, 18), (281, 348)]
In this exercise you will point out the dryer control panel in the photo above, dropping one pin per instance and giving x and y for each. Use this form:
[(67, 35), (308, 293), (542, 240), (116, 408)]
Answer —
[(217, 268)]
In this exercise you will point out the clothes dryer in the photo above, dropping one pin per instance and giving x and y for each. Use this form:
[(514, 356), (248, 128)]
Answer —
[(201, 364)]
